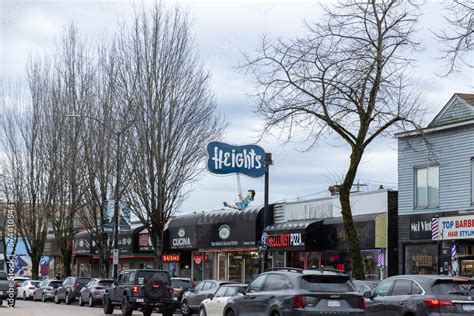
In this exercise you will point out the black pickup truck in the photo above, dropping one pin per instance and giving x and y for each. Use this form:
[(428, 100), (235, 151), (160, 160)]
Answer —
[(141, 289), (7, 290)]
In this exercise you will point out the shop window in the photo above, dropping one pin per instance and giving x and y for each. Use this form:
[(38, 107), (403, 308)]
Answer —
[(312, 260), (427, 187), (251, 266), (235, 267), (222, 260), (296, 259), (421, 259)]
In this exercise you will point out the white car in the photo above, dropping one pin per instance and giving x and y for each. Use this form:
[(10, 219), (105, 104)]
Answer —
[(27, 288), (214, 304)]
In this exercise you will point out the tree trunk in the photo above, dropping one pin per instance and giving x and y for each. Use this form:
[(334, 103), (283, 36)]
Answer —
[(35, 259), (351, 232), (66, 260)]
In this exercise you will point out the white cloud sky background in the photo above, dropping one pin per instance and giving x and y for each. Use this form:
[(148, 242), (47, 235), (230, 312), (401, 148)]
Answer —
[(223, 29)]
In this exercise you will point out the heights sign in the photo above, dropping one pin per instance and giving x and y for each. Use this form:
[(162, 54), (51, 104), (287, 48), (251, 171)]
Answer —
[(226, 159)]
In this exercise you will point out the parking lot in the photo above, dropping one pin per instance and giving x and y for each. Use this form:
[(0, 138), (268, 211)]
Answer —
[(30, 308)]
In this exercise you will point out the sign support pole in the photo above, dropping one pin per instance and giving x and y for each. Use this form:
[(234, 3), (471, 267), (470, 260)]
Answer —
[(266, 208)]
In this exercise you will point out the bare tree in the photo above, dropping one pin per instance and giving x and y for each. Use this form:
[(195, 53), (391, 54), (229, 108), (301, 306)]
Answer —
[(72, 92), (23, 141), (458, 38), (348, 77), (162, 80)]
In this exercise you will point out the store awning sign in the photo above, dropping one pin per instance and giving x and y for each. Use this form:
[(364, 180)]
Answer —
[(452, 228), (227, 159)]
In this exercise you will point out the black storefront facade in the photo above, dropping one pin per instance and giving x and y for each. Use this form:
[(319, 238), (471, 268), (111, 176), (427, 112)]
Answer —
[(86, 261), (421, 254), (221, 244), (323, 243)]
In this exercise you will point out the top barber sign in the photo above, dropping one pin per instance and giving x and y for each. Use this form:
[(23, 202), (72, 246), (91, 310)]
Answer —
[(226, 159), (455, 227)]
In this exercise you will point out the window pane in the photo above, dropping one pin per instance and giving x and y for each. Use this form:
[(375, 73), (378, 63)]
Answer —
[(220, 292), (384, 288), (433, 186), (402, 287), (421, 187), (421, 259)]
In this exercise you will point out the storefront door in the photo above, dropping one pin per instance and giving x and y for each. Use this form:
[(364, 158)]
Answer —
[(236, 267)]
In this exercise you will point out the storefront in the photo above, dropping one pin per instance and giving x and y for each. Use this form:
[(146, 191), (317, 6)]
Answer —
[(227, 245), (323, 243), (218, 244), (429, 249), (86, 260), (180, 239)]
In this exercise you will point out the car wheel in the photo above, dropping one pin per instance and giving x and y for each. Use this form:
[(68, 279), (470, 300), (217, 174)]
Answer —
[(202, 311), (108, 307), (126, 307), (91, 301), (185, 308), (230, 313), (43, 299), (81, 303), (67, 300), (56, 299)]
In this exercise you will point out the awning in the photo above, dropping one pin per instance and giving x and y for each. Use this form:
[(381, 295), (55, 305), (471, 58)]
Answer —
[(229, 228), (293, 236), (181, 232), (82, 243), (371, 229)]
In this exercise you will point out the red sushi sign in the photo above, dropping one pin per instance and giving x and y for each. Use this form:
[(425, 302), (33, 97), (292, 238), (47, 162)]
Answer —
[(170, 258)]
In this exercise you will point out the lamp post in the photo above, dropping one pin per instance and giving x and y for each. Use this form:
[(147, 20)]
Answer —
[(118, 183)]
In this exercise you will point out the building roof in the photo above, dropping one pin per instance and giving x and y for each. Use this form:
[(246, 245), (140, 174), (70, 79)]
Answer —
[(468, 97)]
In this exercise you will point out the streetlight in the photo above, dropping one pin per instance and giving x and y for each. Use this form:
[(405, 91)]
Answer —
[(118, 180)]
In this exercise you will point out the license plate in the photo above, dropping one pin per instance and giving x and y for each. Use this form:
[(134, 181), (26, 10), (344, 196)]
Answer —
[(175, 298), (334, 303), (1, 292), (140, 300), (468, 308)]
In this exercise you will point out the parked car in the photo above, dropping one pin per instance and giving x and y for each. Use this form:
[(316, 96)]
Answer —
[(288, 291), (214, 305), (430, 295), (6, 289), (193, 298), (180, 285), (93, 292), (27, 288), (364, 286), (46, 290), (70, 290), (142, 289)]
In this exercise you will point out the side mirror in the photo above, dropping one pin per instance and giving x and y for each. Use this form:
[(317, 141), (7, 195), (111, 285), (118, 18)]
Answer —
[(368, 294), (210, 296)]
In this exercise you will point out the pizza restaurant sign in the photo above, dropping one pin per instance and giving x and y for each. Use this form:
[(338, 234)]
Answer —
[(455, 227), (285, 240)]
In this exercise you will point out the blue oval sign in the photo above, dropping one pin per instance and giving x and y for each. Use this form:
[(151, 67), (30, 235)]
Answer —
[(225, 159)]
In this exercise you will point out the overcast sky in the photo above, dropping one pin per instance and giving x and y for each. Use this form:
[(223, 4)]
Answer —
[(223, 29)]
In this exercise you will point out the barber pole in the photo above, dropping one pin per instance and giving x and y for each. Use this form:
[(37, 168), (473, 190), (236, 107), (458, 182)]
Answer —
[(454, 254), (380, 259), (435, 228)]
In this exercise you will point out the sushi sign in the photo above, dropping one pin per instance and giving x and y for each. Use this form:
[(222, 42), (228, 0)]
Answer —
[(455, 227)]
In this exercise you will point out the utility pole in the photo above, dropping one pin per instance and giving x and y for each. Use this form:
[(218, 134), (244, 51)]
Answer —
[(266, 207)]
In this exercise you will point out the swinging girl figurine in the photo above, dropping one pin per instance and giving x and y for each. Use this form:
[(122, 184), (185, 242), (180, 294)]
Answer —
[(244, 202)]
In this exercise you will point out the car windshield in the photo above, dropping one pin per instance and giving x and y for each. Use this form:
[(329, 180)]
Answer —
[(181, 283), (453, 287), (144, 276), (327, 283), (55, 284)]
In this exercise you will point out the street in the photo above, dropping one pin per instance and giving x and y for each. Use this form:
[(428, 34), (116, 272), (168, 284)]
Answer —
[(30, 308)]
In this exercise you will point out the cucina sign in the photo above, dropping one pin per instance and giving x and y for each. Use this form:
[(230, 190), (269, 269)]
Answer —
[(181, 242), (226, 159)]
